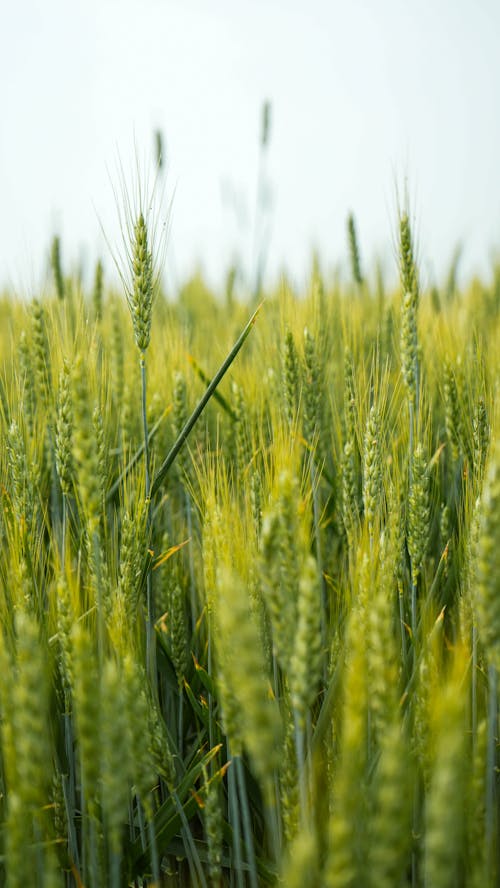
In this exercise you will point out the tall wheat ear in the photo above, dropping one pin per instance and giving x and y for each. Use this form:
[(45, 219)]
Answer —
[(139, 261)]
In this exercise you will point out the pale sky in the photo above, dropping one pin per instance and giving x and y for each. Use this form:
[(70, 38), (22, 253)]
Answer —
[(365, 95)]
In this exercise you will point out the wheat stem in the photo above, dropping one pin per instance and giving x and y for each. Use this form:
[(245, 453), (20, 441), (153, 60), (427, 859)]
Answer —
[(247, 823), (234, 821)]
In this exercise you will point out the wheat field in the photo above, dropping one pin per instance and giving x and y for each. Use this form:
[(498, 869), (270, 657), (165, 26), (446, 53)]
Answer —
[(250, 629)]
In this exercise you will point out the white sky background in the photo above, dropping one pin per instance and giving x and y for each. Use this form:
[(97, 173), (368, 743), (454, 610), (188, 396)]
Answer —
[(364, 93)]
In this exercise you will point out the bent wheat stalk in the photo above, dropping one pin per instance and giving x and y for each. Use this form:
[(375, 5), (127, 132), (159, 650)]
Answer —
[(202, 403)]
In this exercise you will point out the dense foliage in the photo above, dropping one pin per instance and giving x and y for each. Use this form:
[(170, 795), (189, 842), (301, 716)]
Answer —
[(276, 660)]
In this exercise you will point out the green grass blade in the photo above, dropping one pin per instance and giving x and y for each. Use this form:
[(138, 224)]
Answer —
[(202, 403)]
